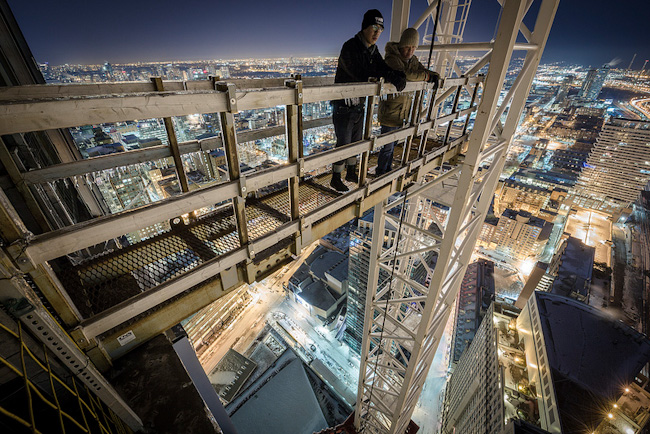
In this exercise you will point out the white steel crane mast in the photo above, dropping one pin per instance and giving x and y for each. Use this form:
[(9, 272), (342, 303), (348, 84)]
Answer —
[(405, 319)]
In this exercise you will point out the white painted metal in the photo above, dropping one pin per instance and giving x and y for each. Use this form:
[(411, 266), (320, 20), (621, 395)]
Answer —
[(428, 12), (399, 19), (401, 332)]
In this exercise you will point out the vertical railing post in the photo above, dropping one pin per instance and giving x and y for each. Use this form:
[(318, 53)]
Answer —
[(454, 109), (415, 119), (229, 137), (428, 117), (294, 144), (367, 131), (173, 142), (471, 104), (16, 177)]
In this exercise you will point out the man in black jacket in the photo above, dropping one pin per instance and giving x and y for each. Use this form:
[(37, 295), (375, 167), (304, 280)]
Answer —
[(359, 60)]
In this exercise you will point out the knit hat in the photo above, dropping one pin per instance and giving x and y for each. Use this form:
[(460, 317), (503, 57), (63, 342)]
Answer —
[(372, 17), (410, 38)]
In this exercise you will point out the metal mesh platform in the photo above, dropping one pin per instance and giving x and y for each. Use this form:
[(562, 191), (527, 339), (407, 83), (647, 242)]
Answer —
[(102, 282)]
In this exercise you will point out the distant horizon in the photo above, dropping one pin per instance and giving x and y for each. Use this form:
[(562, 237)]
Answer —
[(243, 59), (67, 33)]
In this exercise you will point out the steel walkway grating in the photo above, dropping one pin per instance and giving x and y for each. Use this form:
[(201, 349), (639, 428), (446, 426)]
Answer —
[(105, 281)]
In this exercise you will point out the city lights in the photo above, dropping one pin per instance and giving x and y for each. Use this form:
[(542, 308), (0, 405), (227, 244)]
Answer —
[(212, 217)]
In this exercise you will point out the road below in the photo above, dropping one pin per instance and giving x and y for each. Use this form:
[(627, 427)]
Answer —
[(428, 410), (243, 330)]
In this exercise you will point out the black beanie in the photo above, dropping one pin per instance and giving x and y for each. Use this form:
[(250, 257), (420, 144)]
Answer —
[(372, 17)]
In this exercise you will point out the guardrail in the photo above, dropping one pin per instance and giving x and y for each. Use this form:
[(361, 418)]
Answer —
[(39, 107)]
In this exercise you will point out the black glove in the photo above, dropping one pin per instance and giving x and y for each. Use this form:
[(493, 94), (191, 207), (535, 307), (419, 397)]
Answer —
[(434, 77), (398, 79)]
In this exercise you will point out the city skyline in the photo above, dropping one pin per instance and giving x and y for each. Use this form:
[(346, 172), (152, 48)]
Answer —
[(60, 34), (173, 241)]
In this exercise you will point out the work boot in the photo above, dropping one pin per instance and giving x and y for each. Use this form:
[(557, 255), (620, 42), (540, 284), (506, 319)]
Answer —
[(351, 174), (336, 182)]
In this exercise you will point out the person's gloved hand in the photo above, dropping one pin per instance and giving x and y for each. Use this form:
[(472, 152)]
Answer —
[(434, 78), (398, 79)]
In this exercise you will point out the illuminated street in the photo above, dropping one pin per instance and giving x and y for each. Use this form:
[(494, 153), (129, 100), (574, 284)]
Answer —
[(269, 305), (335, 355), (428, 410), (325, 217), (642, 105), (241, 332)]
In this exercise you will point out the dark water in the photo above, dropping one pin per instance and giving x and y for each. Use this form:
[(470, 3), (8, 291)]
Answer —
[(615, 94), (619, 94)]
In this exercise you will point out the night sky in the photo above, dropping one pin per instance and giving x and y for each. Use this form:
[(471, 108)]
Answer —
[(589, 32)]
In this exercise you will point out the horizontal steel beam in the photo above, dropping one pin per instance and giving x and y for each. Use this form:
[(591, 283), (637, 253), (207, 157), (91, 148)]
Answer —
[(45, 114), (81, 235), (144, 301), (45, 91), (70, 91), (474, 46), (23, 117), (453, 116), (96, 164), (96, 104), (70, 239)]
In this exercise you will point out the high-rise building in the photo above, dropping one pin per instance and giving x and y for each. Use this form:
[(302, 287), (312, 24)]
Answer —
[(593, 83), (474, 299), (486, 236), (360, 241), (524, 197), (358, 267), (617, 168), (564, 88), (642, 215), (521, 235), (474, 399), (557, 364)]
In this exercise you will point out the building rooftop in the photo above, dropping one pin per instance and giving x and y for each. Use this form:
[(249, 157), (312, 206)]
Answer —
[(522, 186), (323, 260), (549, 176), (575, 270), (340, 271), (592, 358), (532, 220), (370, 216), (231, 373), (130, 138), (300, 275), (284, 404), (149, 140), (318, 294)]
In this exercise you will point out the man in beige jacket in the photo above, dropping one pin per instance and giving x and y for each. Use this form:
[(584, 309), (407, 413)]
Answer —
[(394, 111)]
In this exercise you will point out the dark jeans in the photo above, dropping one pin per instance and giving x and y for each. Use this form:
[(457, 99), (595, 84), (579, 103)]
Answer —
[(385, 159), (348, 126)]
